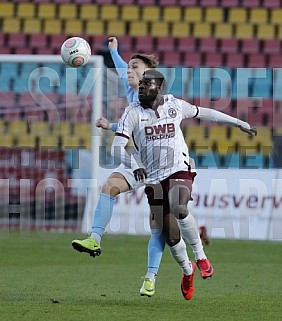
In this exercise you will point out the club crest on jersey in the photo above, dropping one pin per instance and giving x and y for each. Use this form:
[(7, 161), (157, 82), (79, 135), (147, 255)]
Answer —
[(172, 112)]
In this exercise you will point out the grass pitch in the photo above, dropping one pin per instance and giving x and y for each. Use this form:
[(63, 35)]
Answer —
[(43, 278)]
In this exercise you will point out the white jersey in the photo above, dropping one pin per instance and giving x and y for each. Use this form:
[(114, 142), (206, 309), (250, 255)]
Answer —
[(157, 135)]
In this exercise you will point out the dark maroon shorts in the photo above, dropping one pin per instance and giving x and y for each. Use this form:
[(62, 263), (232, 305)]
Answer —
[(158, 194)]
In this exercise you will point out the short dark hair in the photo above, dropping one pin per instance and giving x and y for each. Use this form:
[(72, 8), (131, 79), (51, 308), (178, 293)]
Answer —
[(158, 76), (150, 61)]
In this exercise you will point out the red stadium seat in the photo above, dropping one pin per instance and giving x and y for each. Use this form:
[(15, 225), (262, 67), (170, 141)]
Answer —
[(209, 3), (256, 61), (171, 59), (271, 4), (2, 39), (251, 46), (234, 60), (45, 51), (17, 40), (192, 60), (4, 51), (229, 45), (38, 41), (8, 99), (274, 61), (186, 44), (187, 3), (229, 3), (56, 41), (146, 2), (125, 42), (144, 44), (272, 46), (165, 44), (251, 3), (123, 2), (213, 60), (208, 45), (23, 51)]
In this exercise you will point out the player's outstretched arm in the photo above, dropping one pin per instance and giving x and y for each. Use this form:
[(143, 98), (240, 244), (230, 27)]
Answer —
[(220, 117)]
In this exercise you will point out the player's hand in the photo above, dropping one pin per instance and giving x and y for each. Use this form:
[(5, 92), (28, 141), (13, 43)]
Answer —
[(140, 174), (252, 131), (113, 43), (102, 122)]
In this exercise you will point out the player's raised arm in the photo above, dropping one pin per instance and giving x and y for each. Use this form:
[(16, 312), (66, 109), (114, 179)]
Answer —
[(120, 64)]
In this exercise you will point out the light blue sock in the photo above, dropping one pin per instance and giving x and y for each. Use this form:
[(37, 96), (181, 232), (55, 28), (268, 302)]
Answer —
[(156, 247), (103, 213)]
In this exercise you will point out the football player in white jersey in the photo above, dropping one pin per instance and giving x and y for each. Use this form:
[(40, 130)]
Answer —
[(122, 180), (161, 159)]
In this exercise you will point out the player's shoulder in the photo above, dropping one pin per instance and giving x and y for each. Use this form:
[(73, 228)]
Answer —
[(133, 106)]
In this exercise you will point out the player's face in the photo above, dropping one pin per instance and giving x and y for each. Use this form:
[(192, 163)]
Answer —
[(148, 89), (136, 68)]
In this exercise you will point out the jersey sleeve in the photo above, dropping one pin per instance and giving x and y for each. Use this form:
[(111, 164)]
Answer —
[(127, 122), (121, 66), (188, 110)]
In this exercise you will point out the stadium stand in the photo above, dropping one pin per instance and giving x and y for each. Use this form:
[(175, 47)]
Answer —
[(185, 34)]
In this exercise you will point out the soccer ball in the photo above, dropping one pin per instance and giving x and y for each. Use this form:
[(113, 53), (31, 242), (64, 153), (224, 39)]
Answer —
[(75, 52)]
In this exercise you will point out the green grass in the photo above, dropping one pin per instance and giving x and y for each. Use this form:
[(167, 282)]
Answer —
[(43, 278)]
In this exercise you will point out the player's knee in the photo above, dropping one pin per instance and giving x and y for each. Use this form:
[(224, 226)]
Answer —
[(179, 211), (172, 241)]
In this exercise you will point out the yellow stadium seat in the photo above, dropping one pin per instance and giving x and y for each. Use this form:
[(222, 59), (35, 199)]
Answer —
[(279, 32), (202, 30), (46, 10), (116, 28), (223, 30), (181, 29), (32, 26), (218, 132), (172, 14), (73, 141), (83, 129), (25, 141), (138, 28), (11, 25), (6, 10), (265, 32), (151, 13), (49, 141), (159, 29), (52, 27), (39, 128), (26, 10), (244, 31), (67, 11), (109, 12), (88, 12), (130, 13), (214, 15), (74, 27), (193, 14), (95, 28), (258, 16), (17, 127), (237, 15), (6, 140), (276, 16)]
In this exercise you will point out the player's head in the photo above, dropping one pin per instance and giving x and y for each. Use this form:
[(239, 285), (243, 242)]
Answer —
[(137, 65), (151, 87)]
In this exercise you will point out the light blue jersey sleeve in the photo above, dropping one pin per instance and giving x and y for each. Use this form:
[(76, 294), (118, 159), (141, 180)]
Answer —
[(121, 66)]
